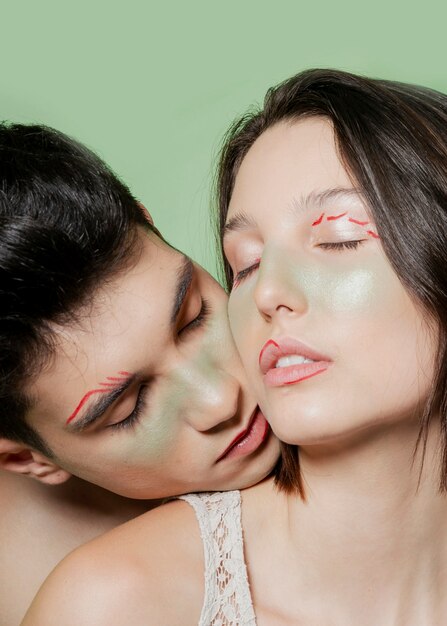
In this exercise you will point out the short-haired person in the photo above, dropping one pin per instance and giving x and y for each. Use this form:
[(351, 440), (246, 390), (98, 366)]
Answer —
[(333, 215), (116, 363)]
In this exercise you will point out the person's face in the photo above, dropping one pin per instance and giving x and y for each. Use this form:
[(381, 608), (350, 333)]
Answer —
[(146, 393), (331, 341)]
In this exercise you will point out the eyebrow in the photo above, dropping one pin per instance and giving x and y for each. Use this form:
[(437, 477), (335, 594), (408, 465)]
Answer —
[(313, 200), (98, 408), (184, 279), (123, 382), (318, 199)]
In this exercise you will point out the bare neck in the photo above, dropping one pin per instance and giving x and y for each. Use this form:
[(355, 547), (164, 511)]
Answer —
[(373, 529)]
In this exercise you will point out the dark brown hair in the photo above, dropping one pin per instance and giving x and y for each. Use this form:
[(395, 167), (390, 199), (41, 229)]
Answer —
[(66, 223), (392, 138)]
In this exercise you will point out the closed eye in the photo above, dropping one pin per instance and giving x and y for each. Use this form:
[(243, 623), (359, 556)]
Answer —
[(240, 276), (199, 321), (341, 245), (134, 416)]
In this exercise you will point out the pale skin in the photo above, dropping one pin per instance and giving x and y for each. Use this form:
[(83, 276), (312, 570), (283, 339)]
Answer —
[(41, 524), (369, 546), (126, 343)]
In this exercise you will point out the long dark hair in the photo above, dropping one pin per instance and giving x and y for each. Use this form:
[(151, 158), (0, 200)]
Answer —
[(66, 223), (392, 138)]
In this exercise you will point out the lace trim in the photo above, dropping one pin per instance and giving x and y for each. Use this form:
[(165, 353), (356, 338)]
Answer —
[(227, 599)]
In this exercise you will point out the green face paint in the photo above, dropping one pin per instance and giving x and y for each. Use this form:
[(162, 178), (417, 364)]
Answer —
[(318, 279)]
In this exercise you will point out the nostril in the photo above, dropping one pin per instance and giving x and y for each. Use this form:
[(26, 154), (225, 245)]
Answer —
[(283, 308)]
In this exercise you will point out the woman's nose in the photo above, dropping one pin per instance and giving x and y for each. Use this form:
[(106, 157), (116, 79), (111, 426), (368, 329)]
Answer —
[(279, 289), (218, 398)]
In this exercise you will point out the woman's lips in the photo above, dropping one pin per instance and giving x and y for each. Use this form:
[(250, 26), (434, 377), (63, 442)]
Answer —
[(315, 362), (249, 439)]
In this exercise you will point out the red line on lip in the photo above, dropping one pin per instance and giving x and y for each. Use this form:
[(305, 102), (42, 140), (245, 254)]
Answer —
[(351, 219), (331, 218), (319, 220), (270, 341), (114, 378), (240, 436), (375, 235), (124, 373), (305, 377)]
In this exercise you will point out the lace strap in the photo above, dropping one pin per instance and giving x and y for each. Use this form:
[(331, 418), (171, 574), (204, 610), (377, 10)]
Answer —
[(227, 600)]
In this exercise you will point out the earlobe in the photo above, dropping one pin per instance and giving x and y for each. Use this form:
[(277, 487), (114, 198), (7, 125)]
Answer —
[(18, 458)]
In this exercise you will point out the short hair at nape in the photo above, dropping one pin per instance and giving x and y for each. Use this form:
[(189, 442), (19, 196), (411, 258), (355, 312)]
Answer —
[(67, 222)]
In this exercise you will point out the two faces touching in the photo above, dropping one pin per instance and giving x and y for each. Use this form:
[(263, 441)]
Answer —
[(152, 393), (336, 311), (152, 398)]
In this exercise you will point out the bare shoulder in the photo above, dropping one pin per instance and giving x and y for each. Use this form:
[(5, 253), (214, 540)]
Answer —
[(147, 571)]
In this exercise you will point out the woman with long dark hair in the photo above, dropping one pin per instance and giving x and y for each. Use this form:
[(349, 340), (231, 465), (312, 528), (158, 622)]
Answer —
[(332, 213)]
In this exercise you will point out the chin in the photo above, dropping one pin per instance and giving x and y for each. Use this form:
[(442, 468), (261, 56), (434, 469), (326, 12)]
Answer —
[(316, 426), (260, 467)]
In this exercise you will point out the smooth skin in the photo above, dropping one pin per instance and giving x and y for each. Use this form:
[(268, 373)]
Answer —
[(195, 402), (158, 333), (369, 544), (41, 524)]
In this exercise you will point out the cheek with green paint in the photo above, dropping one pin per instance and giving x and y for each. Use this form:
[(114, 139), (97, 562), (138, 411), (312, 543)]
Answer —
[(360, 285), (197, 382)]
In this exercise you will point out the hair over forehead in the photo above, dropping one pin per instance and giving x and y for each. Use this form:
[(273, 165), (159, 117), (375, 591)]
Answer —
[(392, 138), (66, 223)]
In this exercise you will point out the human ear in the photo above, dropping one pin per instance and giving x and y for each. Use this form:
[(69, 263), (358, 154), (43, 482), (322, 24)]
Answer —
[(150, 220), (146, 213), (20, 459)]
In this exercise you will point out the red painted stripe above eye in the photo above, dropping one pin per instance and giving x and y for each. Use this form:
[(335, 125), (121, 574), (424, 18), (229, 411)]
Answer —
[(319, 220), (82, 402), (331, 218), (105, 387), (351, 219)]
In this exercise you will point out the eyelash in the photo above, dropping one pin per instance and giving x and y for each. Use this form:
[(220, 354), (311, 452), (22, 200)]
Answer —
[(342, 245), (338, 245), (240, 276), (133, 418), (198, 321)]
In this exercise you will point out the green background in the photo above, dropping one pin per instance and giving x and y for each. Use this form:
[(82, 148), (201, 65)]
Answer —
[(153, 86)]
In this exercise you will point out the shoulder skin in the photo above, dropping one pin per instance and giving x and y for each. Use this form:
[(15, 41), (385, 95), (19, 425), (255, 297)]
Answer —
[(147, 571)]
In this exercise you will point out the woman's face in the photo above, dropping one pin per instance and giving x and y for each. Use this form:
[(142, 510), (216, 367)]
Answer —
[(146, 395), (331, 341)]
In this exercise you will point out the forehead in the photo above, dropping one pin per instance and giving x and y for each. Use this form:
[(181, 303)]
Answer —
[(286, 163), (126, 316), (143, 289)]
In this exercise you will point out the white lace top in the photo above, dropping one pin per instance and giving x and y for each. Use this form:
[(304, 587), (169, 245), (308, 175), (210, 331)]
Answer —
[(227, 599)]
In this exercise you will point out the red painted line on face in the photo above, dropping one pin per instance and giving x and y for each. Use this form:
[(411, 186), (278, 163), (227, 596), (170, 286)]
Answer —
[(331, 218), (269, 343), (319, 220), (105, 386), (298, 380), (351, 219), (82, 402), (375, 235)]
